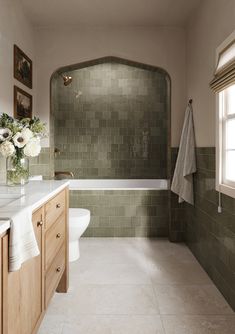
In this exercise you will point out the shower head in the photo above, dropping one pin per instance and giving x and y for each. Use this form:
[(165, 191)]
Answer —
[(67, 79)]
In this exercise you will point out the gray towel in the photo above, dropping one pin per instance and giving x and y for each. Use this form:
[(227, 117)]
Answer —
[(182, 183)]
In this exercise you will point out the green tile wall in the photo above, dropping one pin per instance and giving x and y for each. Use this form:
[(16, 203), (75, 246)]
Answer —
[(210, 235), (43, 164), (177, 211), (117, 128), (124, 213)]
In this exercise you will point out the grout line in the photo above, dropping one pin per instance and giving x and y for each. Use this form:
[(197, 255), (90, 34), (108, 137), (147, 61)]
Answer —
[(154, 291), (163, 326)]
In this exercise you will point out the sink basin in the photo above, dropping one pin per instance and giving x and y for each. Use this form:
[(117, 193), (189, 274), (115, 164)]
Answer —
[(6, 199)]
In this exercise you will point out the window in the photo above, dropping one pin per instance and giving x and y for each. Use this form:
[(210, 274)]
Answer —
[(226, 57), (224, 86), (227, 110)]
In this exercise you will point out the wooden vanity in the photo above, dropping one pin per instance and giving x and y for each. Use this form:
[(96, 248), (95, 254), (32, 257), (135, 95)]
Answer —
[(25, 294)]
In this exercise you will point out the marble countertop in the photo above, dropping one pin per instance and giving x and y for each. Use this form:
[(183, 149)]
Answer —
[(32, 195)]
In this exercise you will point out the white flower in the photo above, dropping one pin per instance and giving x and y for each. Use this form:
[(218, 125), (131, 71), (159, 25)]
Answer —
[(5, 134), (20, 139), (27, 134), (33, 148), (7, 148)]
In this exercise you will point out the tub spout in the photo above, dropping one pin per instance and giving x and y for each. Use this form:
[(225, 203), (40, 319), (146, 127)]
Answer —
[(64, 175)]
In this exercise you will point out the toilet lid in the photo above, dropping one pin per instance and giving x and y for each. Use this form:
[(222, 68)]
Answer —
[(77, 212)]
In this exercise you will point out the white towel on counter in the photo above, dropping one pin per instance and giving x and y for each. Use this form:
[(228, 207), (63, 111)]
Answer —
[(22, 240), (182, 183)]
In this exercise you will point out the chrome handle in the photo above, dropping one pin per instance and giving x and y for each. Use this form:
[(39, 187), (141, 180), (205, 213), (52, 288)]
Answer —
[(40, 223), (58, 206), (58, 235), (58, 269)]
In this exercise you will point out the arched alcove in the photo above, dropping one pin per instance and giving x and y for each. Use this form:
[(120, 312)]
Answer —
[(112, 121)]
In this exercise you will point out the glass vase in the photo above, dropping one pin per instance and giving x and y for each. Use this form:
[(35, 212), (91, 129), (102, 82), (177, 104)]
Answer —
[(17, 171)]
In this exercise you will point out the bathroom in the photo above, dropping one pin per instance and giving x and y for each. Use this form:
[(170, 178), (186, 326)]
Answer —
[(116, 82)]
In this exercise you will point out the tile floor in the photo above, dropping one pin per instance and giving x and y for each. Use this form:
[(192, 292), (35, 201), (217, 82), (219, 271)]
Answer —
[(138, 286)]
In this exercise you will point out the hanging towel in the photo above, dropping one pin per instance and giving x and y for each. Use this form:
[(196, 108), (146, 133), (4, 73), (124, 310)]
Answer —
[(22, 240), (182, 183)]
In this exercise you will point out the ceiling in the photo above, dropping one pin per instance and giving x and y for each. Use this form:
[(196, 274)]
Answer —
[(109, 12)]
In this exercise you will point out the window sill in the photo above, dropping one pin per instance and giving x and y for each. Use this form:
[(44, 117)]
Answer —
[(225, 189)]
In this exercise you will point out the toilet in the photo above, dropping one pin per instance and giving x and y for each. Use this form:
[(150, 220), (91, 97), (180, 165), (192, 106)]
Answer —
[(78, 221)]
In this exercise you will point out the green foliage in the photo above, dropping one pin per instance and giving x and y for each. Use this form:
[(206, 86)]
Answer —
[(37, 128), (35, 125), (18, 173), (8, 122)]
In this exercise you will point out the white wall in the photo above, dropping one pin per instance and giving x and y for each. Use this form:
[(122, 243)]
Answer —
[(14, 29), (210, 25), (163, 47)]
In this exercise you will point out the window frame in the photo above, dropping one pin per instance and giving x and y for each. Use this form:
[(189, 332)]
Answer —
[(220, 53), (222, 185)]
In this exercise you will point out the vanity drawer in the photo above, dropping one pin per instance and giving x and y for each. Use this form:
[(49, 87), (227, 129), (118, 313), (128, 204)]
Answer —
[(54, 208), (54, 274), (55, 237)]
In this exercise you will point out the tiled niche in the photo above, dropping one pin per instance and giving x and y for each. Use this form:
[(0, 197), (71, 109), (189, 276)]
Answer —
[(112, 121)]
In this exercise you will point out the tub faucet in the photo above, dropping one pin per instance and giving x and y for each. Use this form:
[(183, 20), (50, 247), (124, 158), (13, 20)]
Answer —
[(64, 175)]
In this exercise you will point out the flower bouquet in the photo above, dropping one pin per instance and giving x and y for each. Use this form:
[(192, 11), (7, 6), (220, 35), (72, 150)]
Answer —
[(20, 139)]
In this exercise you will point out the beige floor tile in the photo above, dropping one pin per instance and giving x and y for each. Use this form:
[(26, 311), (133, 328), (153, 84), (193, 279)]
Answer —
[(177, 271), (109, 273), (114, 325), (60, 304), (121, 285), (112, 299), (199, 324), (111, 250), (52, 324), (156, 249), (191, 299)]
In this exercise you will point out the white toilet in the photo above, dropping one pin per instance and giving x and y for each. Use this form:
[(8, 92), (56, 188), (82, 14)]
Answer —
[(78, 221)]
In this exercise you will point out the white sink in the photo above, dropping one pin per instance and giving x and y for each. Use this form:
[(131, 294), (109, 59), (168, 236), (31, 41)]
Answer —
[(6, 199)]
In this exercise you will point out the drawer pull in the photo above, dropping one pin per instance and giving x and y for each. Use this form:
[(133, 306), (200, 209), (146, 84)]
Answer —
[(40, 223), (58, 269), (58, 206), (58, 235)]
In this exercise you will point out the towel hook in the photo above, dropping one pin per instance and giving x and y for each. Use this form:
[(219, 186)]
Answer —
[(190, 101)]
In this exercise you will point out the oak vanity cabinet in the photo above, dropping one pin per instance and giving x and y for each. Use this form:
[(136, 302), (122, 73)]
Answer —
[(24, 288), (27, 292), (1, 285), (56, 241)]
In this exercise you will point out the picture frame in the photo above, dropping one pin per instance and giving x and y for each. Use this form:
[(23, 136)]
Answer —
[(23, 104), (23, 67)]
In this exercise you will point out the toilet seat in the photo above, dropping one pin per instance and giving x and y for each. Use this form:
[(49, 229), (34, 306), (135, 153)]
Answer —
[(77, 212), (78, 217)]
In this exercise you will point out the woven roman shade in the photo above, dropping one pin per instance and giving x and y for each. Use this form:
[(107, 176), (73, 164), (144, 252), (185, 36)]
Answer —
[(225, 70)]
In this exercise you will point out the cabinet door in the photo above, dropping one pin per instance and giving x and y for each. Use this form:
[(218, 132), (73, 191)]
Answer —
[(25, 297)]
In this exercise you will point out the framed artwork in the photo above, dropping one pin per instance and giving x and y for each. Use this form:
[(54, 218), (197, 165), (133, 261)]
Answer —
[(23, 67), (23, 104)]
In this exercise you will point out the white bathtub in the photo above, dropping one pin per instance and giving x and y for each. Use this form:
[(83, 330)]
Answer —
[(100, 184)]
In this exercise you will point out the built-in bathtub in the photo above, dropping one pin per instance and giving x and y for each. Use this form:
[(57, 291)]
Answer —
[(123, 208), (99, 184)]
